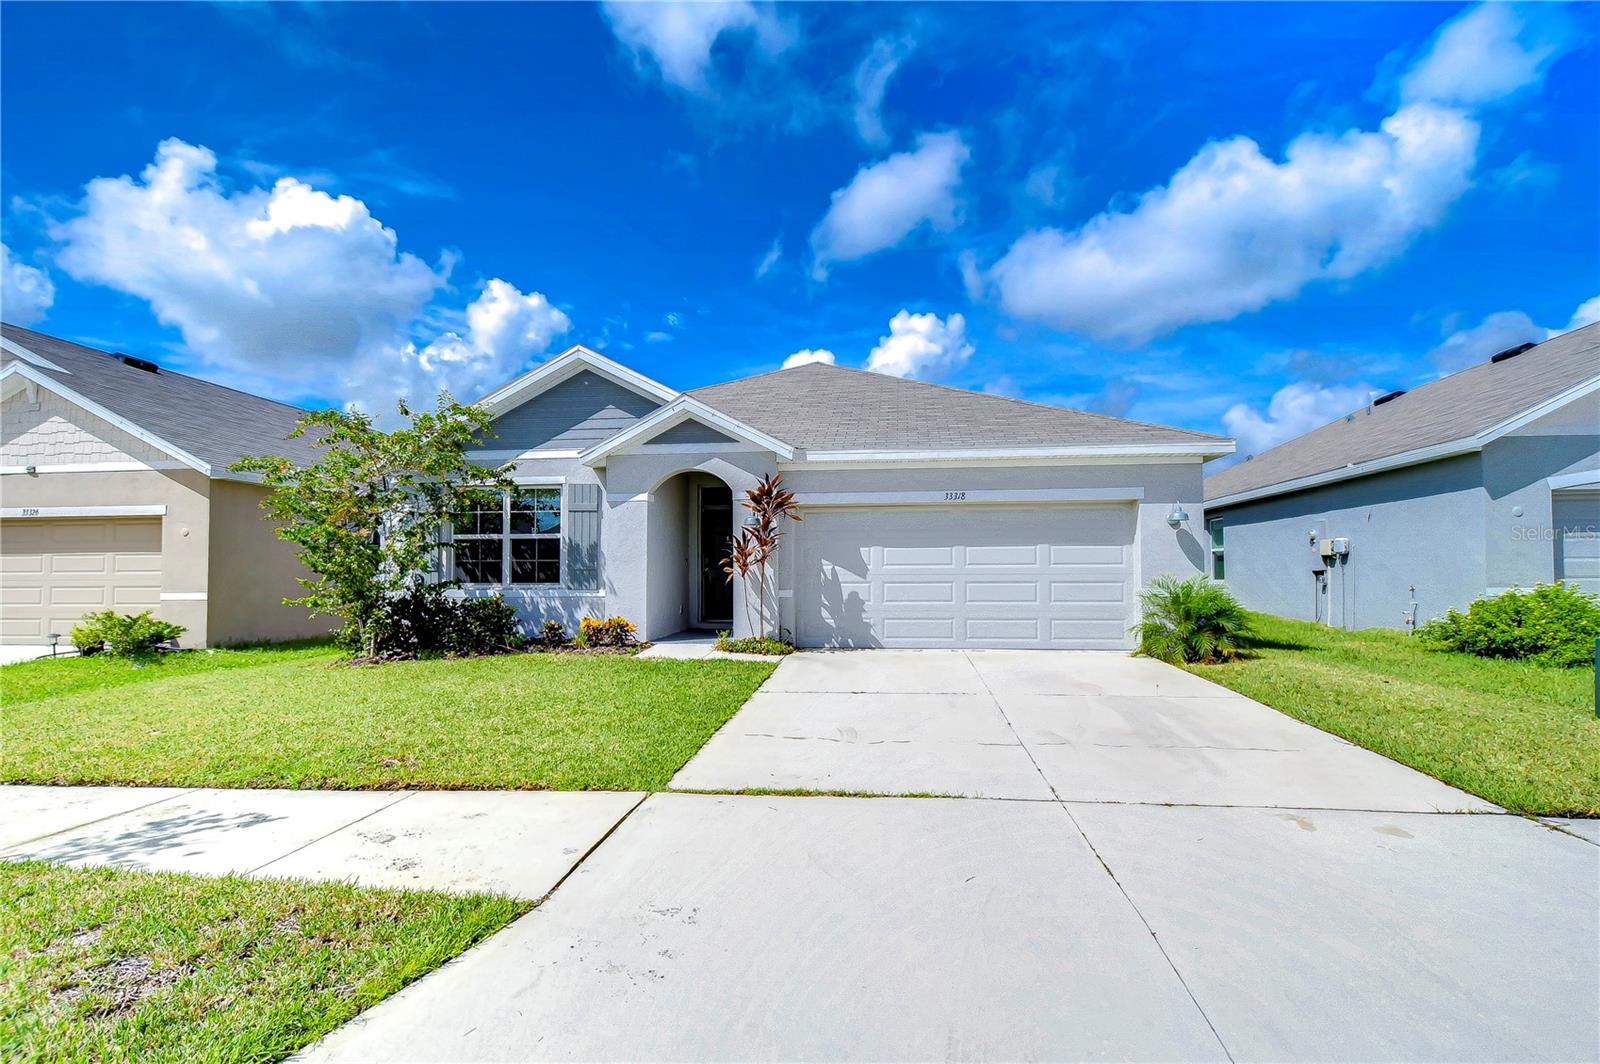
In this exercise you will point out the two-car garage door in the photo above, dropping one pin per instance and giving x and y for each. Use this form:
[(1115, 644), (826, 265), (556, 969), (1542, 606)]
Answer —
[(1056, 577), (52, 572)]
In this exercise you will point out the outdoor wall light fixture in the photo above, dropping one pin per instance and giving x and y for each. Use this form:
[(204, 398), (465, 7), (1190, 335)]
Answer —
[(1177, 518)]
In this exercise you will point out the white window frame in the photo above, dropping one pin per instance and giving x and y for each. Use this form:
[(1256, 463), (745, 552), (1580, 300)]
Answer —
[(505, 536)]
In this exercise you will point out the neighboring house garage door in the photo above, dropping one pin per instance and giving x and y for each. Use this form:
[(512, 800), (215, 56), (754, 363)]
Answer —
[(1057, 577), (53, 572), (1577, 521)]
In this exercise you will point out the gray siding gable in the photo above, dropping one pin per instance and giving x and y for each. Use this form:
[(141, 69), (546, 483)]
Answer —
[(579, 412), (691, 431)]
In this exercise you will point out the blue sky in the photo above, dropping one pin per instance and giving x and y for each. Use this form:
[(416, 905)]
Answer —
[(1236, 218)]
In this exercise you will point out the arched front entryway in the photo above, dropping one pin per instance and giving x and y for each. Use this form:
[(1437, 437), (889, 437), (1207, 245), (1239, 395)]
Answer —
[(693, 517)]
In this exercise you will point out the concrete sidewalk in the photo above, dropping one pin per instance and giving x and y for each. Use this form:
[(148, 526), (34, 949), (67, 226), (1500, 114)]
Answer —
[(511, 842)]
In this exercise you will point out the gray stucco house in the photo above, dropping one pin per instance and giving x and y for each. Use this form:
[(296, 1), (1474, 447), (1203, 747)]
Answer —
[(932, 517), (1424, 500)]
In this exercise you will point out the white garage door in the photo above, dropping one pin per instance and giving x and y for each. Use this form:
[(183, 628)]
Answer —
[(1577, 521), (1057, 577), (53, 572)]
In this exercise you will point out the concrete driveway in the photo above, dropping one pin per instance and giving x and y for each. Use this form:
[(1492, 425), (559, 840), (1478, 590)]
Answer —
[(732, 927), (1041, 725)]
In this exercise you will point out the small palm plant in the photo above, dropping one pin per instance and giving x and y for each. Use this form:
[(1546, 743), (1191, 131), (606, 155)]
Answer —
[(1193, 621)]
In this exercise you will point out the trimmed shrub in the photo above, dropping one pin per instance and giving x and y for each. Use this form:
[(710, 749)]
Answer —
[(753, 645), (123, 635), (1554, 624), (425, 619), (1193, 621), (611, 632), (486, 625)]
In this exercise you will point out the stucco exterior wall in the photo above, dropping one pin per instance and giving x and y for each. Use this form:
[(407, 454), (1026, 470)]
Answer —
[(251, 572), (185, 529), (1520, 534), (1422, 525)]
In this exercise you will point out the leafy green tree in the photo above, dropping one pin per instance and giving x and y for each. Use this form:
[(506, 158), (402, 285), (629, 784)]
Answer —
[(366, 514)]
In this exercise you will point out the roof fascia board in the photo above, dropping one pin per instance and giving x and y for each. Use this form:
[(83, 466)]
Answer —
[(676, 412), (573, 360), (1009, 454), (27, 372), (1350, 472)]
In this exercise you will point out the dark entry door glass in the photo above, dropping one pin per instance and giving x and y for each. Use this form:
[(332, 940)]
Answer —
[(716, 533)]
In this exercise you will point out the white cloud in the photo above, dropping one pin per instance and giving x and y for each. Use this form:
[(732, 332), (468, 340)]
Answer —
[(770, 260), (972, 281), (920, 345), (1233, 230), (1496, 333), (293, 286), (886, 201), (1293, 409), (1588, 313), (26, 292), (1487, 53), (505, 329), (808, 356), (871, 82), (677, 38)]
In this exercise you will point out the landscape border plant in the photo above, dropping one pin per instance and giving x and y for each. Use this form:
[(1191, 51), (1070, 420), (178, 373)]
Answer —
[(123, 635), (756, 545), (1554, 624)]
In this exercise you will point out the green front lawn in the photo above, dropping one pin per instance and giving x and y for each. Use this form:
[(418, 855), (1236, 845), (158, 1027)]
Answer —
[(103, 964), (294, 718), (1523, 736)]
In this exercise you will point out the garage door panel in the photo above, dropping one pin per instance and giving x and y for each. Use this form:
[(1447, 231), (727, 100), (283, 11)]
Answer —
[(995, 591), (966, 576), (1088, 555), (52, 572), (1071, 591), (1006, 630), (978, 557), (1577, 521), (897, 591), (899, 557), (930, 628)]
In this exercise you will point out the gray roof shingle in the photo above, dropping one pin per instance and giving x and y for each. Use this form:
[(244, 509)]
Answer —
[(820, 407), (217, 425), (1441, 411)]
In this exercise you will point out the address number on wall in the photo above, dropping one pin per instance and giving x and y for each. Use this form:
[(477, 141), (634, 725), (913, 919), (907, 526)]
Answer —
[(954, 496)]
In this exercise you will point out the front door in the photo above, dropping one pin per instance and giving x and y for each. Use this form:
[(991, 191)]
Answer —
[(716, 534)]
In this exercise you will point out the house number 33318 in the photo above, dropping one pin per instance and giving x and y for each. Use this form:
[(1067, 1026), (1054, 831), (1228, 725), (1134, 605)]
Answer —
[(954, 496)]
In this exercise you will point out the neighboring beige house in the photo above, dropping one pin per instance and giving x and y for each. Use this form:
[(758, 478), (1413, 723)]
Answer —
[(115, 492)]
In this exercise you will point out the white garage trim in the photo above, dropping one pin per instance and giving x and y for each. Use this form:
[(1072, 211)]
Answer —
[(183, 596), (45, 512), (1586, 479), (956, 497)]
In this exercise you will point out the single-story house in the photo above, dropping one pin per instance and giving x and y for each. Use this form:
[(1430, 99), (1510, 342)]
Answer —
[(931, 516), (115, 493), (1424, 500)]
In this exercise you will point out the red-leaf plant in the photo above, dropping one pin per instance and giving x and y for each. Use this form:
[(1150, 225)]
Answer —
[(756, 545)]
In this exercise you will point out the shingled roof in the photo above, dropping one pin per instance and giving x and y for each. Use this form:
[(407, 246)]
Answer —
[(820, 407), (215, 424), (1450, 409)]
